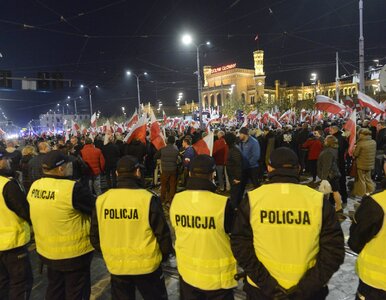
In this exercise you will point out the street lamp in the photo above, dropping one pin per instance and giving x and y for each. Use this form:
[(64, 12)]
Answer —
[(89, 94), (313, 80), (187, 40), (138, 91)]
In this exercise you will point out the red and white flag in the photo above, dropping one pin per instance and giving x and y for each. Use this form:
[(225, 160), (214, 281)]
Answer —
[(74, 128), (83, 130), (351, 126), (205, 145), (93, 120), (373, 105), (156, 136), (325, 103), (138, 131), (133, 120)]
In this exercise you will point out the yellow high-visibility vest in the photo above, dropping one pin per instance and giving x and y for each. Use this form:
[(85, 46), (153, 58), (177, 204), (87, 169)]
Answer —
[(14, 231), (61, 231), (203, 252), (128, 244), (286, 220), (371, 263)]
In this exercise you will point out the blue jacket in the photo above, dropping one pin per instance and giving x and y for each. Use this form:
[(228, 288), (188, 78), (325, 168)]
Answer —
[(251, 152)]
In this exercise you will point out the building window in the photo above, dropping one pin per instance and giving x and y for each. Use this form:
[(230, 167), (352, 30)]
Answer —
[(243, 98), (253, 99)]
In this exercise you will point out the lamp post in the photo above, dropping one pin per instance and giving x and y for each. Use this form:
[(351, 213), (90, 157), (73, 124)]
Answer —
[(187, 40), (138, 90), (313, 79), (89, 95)]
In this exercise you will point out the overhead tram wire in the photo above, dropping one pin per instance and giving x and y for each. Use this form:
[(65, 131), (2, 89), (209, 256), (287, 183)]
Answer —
[(62, 18)]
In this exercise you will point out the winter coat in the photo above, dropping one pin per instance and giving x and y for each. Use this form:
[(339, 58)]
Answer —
[(111, 154), (93, 157), (328, 164), (220, 151), (234, 163), (314, 146), (364, 153), (251, 151), (24, 167), (169, 158), (137, 149)]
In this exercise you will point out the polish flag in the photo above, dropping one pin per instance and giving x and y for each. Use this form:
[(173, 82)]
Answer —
[(133, 120), (205, 145), (348, 102), (156, 136), (285, 116), (274, 121), (107, 127), (93, 120), (74, 128), (119, 127), (374, 122), (325, 103), (373, 105), (351, 126), (138, 131), (83, 130)]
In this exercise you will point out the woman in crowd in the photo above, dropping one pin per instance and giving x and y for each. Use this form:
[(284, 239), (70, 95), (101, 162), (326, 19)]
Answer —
[(328, 169), (364, 155), (27, 153)]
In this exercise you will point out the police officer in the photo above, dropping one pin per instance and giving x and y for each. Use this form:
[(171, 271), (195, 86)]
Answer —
[(15, 266), (286, 237), (129, 227), (60, 214), (201, 220), (368, 239)]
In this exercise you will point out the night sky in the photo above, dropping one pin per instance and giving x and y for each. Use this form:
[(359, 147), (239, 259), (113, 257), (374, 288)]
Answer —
[(95, 42)]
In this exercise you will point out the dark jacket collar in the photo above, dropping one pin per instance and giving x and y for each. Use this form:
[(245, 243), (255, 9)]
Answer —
[(202, 184), (284, 176), (128, 182), (7, 173)]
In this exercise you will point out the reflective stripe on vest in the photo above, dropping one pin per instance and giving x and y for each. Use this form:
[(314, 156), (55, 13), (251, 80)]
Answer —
[(286, 220), (128, 244), (60, 230), (204, 256), (14, 231), (371, 263)]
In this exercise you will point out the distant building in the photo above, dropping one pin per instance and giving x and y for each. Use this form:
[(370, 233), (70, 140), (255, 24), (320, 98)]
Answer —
[(52, 121), (225, 83)]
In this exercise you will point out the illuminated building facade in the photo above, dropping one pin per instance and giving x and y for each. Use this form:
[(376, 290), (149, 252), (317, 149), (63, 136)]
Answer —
[(222, 84)]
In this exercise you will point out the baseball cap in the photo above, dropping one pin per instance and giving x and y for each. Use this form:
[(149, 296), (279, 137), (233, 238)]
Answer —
[(54, 159), (244, 130), (127, 163), (202, 164), (283, 157)]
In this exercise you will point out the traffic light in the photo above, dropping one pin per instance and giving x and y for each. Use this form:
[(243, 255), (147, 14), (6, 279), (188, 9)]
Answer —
[(4, 82), (58, 83), (43, 84)]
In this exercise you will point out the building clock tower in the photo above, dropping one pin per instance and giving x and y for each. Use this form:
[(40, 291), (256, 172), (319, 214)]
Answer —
[(258, 57)]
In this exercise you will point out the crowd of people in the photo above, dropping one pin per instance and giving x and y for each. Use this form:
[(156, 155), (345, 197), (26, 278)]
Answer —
[(244, 205)]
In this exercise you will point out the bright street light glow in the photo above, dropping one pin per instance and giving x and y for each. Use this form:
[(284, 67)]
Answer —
[(97, 86), (128, 73), (82, 86), (208, 43), (68, 97), (145, 73), (187, 39)]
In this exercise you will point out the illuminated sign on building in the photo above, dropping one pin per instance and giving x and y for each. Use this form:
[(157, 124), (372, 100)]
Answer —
[(223, 68)]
